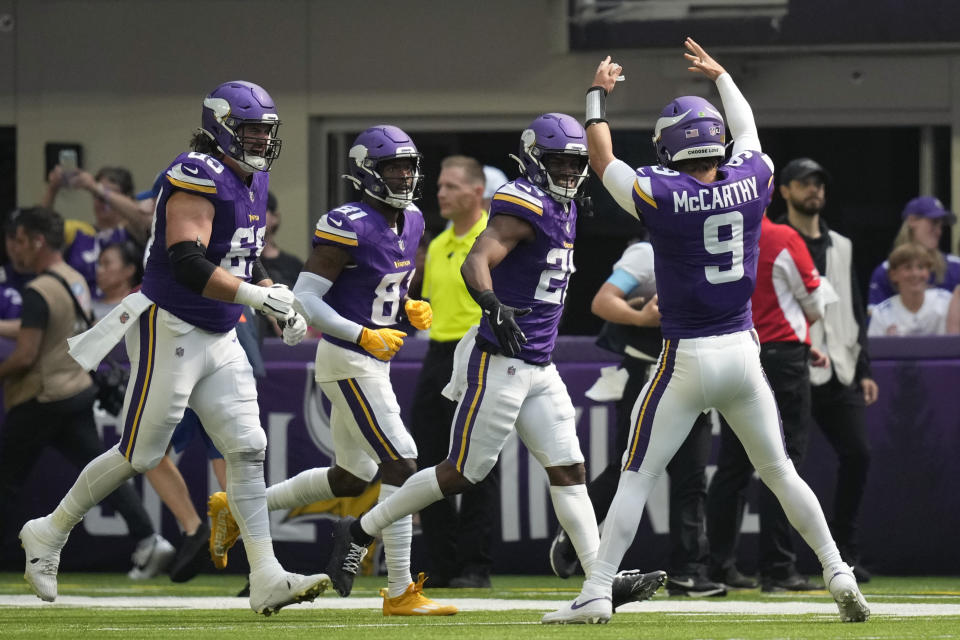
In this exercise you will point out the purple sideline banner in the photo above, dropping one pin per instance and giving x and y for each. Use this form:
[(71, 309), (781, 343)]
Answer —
[(911, 507)]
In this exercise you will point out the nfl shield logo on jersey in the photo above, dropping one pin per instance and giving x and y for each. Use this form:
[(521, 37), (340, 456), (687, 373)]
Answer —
[(402, 247), (251, 196), (179, 352), (124, 317), (511, 371)]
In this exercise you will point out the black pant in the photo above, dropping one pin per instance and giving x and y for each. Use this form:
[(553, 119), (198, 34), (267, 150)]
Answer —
[(785, 366), (838, 410), (457, 543), (67, 426), (688, 541)]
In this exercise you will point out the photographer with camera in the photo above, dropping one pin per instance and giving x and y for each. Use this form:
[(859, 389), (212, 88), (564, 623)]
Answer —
[(48, 396)]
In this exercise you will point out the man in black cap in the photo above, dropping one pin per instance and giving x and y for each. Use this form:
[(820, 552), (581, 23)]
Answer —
[(840, 391)]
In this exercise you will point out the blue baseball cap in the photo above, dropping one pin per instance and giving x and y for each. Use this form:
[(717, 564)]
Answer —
[(928, 207), (154, 190)]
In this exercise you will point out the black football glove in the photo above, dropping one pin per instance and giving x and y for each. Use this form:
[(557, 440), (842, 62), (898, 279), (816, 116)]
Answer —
[(501, 319)]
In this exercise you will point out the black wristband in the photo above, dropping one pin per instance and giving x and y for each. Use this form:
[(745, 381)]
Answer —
[(190, 265), (594, 121)]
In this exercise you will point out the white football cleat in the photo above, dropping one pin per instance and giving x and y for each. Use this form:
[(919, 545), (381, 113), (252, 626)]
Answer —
[(843, 587), (151, 557), (43, 558), (582, 611), (270, 591)]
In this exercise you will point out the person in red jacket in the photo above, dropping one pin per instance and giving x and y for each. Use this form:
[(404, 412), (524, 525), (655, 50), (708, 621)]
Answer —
[(789, 296)]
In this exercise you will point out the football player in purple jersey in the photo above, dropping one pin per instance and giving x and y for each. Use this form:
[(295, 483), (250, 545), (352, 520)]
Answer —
[(202, 266), (703, 215), (353, 288), (503, 379)]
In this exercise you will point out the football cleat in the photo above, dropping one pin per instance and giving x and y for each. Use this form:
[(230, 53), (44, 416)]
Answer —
[(151, 557), (694, 586), (582, 610), (273, 590), (191, 556), (223, 529), (43, 558), (634, 586), (345, 557), (843, 587), (563, 557), (412, 602)]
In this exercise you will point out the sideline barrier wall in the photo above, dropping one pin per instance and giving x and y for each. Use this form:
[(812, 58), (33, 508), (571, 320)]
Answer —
[(911, 509)]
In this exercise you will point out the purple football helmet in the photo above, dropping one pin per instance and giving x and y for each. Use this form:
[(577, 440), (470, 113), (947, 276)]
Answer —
[(228, 109), (689, 127), (374, 146), (554, 134)]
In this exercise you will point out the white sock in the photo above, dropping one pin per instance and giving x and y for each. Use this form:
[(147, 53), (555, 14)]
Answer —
[(99, 479), (397, 538), (619, 529), (575, 513), (802, 509), (420, 490), (307, 486), (246, 494)]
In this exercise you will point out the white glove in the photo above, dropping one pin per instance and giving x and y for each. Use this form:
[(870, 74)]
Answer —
[(294, 329), (275, 300)]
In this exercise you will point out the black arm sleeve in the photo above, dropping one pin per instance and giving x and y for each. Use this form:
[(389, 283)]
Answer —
[(36, 313), (859, 312), (259, 273), (190, 265)]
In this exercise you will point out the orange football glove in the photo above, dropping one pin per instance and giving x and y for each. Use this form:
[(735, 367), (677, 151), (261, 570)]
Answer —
[(420, 313), (382, 344)]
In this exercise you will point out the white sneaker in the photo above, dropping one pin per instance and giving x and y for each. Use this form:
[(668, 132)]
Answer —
[(582, 611), (273, 590), (151, 557), (43, 558), (843, 587)]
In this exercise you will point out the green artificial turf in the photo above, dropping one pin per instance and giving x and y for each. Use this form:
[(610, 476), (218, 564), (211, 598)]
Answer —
[(58, 621)]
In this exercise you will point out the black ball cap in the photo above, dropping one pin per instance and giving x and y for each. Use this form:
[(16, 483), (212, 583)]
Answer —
[(800, 168)]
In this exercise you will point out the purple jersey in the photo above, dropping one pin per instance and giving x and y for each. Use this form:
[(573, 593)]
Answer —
[(881, 288), (82, 247), (371, 288), (704, 239), (11, 304), (236, 239), (535, 274)]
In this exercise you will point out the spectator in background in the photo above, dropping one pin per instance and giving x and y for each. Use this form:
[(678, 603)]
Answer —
[(493, 179), (48, 396), (628, 303), (843, 388), (11, 305), (924, 219), (283, 267), (788, 296), (915, 310), (458, 542), (119, 271), (116, 215)]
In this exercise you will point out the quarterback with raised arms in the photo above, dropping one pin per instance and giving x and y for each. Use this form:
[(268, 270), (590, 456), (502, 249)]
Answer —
[(703, 214)]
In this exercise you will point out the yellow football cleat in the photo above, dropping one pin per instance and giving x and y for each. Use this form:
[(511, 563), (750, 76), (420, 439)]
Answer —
[(412, 602), (223, 529)]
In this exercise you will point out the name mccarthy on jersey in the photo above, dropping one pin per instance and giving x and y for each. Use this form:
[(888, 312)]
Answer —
[(722, 197)]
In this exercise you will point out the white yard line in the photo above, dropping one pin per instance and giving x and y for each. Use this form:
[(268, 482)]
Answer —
[(679, 607)]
